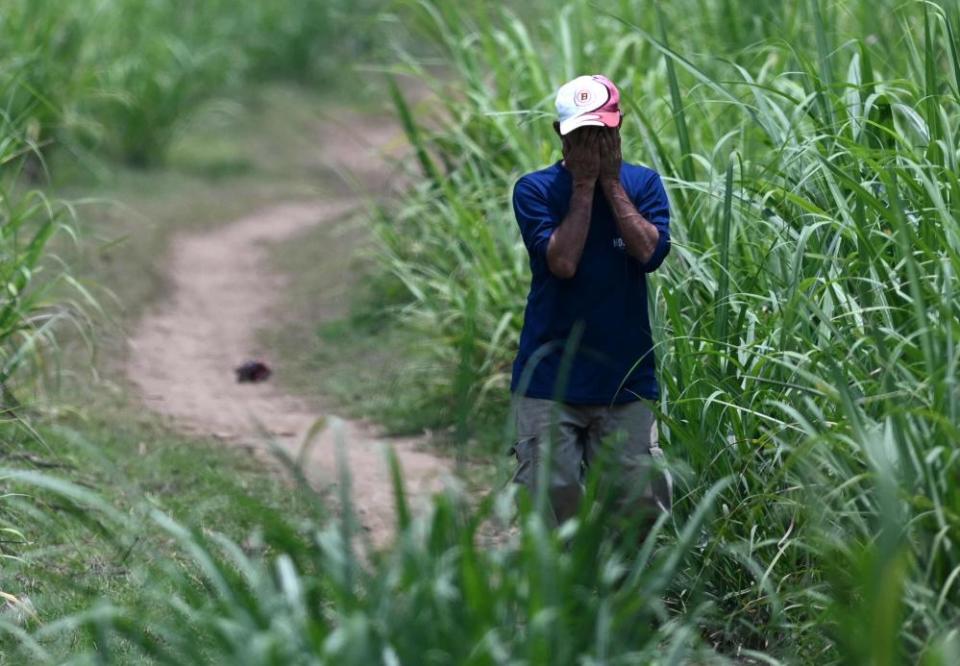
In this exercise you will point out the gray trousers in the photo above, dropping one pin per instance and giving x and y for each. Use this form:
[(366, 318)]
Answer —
[(621, 441)]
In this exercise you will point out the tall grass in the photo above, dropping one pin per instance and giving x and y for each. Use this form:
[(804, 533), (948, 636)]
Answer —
[(120, 76), (806, 337), (40, 84), (806, 321), (34, 307), (301, 593), (33, 302)]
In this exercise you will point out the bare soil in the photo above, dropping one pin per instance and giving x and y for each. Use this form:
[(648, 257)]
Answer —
[(223, 292)]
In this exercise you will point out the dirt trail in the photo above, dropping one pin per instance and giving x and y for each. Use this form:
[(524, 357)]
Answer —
[(222, 291)]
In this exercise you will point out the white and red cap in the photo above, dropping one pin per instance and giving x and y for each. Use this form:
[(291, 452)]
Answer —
[(588, 100)]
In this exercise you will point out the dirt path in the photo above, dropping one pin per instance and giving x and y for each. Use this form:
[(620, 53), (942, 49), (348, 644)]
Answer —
[(184, 351)]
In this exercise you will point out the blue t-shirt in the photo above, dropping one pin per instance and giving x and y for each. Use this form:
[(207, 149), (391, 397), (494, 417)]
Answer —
[(605, 302)]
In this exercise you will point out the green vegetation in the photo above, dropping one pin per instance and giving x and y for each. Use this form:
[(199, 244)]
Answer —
[(122, 76), (436, 597), (807, 340), (27, 314), (67, 422), (339, 341), (79, 88), (75, 513), (806, 320)]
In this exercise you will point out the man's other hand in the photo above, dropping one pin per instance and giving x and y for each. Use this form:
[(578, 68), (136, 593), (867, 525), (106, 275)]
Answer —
[(583, 156), (610, 157)]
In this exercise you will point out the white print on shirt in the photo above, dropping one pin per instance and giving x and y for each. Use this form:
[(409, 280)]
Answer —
[(619, 244)]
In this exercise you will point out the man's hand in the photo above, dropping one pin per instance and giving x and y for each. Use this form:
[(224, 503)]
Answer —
[(581, 155), (582, 158), (610, 157)]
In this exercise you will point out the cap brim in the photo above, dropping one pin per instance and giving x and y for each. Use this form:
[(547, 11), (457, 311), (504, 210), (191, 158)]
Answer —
[(610, 118), (595, 119)]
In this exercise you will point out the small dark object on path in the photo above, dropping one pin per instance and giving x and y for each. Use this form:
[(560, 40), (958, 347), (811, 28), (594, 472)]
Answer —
[(253, 371)]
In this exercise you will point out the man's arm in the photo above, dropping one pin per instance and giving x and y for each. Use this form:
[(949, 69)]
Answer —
[(639, 235), (565, 246)]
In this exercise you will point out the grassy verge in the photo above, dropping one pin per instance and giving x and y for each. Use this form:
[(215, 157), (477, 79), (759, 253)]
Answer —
[(135, 464), (233, 158), (348, 350), (89, 427), (339, 339), (335, 327)]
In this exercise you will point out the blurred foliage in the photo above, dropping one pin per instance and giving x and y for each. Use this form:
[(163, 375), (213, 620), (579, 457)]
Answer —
[(120, 76)]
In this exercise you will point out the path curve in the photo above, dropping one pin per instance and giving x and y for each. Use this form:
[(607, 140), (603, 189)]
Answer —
[(184, 349)]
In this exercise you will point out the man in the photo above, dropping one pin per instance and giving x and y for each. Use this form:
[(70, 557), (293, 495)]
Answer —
[(594, 226)]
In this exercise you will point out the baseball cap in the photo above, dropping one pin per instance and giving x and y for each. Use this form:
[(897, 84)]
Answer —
[(588, 100)]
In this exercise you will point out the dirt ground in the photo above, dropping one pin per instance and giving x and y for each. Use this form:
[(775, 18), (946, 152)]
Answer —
[(223, 291)]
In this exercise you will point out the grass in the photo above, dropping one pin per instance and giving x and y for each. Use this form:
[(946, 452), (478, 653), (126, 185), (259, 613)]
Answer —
[(354, 360), (121, 77), (338, 340), (805, 323), (307, 596), (335, 329), (805, 340), (235, 158), (133, 464), (87, 427)]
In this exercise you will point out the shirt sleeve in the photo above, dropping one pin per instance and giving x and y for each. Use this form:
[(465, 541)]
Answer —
[(652, 202), (533, 216)]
